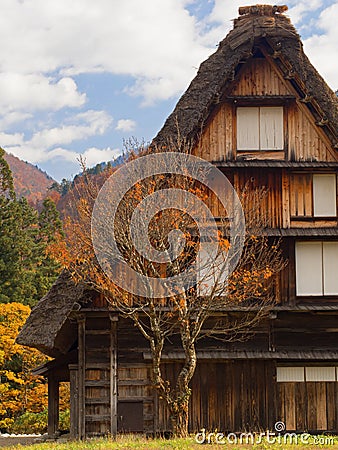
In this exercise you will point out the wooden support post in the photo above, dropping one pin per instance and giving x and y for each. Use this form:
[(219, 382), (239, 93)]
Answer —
[(53, 405), (81, 376), (74, 401), (113, 374)]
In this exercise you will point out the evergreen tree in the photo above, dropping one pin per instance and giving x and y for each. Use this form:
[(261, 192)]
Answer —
[(26, 269), (6, 179), (50, 232), (19, 254)]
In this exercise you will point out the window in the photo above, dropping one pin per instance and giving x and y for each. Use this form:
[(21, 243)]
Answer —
[(300, 374), (320, 373), (324, 195), (316, 268), (260, 128), (285, 374), (212, 271)]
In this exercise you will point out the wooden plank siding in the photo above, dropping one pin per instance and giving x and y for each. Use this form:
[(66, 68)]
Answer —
[(229, 396), (310, 406), (301, 204), (217, 140), (306, 141), (258, 78), (272, 205), (289, 199)]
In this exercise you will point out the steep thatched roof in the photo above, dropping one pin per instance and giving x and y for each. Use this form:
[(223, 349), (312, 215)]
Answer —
[(48, 328), (258, 25)]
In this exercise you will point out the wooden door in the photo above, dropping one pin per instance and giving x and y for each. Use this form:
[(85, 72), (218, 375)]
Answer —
[(130, 417)]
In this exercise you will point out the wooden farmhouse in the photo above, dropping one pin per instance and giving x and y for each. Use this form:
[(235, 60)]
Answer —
[(260, 112)]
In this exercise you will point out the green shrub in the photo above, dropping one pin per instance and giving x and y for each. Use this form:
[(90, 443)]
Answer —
[(64, 420), (30, 422)]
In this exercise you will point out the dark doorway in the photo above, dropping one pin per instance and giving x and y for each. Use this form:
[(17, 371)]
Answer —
[(130, 417)]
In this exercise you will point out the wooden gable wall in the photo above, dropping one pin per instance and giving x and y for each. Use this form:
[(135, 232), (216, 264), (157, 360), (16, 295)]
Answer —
[(306, 141), (259, 81), (258, 77)]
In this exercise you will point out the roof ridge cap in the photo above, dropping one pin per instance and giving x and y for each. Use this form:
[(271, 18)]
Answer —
[(262, 10)]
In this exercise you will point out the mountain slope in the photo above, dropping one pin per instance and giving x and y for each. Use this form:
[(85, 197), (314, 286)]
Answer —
[(29, 180)]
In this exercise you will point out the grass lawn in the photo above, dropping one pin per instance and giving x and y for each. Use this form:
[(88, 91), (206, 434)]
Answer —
[(141, 443)]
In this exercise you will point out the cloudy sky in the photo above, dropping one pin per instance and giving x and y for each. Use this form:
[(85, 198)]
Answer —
[(83, 76)]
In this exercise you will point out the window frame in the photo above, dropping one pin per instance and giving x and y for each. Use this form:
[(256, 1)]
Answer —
[(280, 138), (326, 277), (316, 198), (307, 373)]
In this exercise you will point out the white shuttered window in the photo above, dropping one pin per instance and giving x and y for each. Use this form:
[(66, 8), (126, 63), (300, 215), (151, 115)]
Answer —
[(316, 268), (330, 265), (260, 128), (310, 374), (287, 374), (324, 195), (320, 373), (212, 271)]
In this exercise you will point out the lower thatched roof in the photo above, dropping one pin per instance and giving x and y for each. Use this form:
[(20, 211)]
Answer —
[(50, 316)]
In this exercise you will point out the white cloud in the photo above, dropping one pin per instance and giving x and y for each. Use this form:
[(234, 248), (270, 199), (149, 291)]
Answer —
[(91, 156), (95, 155), (320, 46), (224, 12), (159, 44), (158, 40), (37, 92), (125, 125), (298, 8), (221, 20), (89, 123), (13, 117), (44, 45), (47, 143), (7, 139), (99, 121)]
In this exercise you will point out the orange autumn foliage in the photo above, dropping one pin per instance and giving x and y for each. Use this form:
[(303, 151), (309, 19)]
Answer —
[(20, 391)]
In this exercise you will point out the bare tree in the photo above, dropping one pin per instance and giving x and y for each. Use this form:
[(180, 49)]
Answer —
[(199, 309)]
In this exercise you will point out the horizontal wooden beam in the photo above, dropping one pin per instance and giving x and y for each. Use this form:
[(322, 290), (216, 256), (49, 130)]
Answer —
[(136, 398), (97, 383), (97, 418), (98, 400), (95, 332), (134, 382), (98, 365)]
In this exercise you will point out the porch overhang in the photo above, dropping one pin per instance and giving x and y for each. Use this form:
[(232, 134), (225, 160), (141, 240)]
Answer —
[(221, 355)]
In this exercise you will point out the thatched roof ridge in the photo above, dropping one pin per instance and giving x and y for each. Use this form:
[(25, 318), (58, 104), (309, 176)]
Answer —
[(259, 23), (50, 315)]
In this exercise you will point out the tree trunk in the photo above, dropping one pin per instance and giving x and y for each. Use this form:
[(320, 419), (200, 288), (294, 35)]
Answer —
[(179, 415)]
